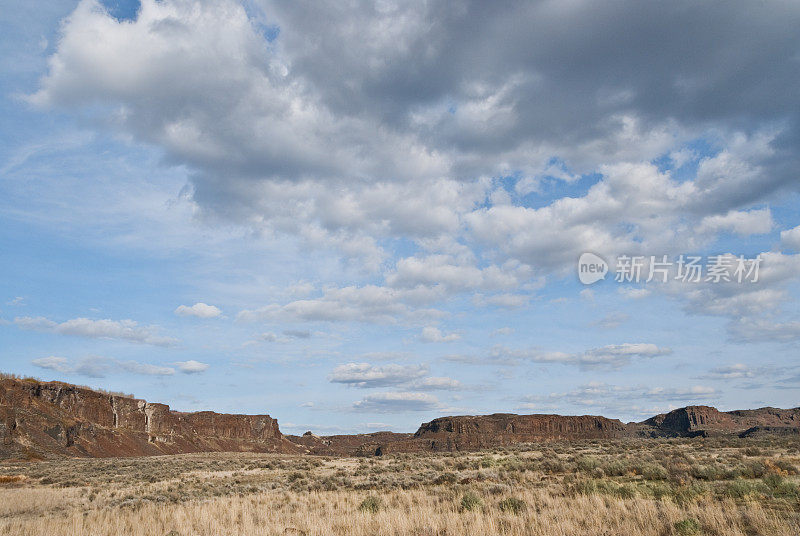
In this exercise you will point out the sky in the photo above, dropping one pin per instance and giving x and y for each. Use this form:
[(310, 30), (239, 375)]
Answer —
[(359, 216)]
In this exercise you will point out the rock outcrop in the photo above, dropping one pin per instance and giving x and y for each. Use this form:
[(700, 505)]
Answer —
[(349, 444), (54, 418), (476, 432), (707, 421), (41, 418)]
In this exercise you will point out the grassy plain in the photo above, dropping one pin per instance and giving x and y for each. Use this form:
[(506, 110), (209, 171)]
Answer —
[(636, 487)]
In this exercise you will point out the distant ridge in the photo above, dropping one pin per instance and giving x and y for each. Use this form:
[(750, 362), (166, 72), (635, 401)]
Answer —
[(40, 419)]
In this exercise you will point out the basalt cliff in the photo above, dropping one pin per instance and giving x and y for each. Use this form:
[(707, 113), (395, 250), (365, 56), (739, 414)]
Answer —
[(53, 418)]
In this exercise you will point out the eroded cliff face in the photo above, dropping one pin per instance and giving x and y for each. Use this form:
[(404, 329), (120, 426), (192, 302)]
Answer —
[(483, 431), (39, 418), (708, 421)]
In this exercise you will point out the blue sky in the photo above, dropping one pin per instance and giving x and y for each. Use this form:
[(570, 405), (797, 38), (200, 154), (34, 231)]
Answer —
[(361, 218)]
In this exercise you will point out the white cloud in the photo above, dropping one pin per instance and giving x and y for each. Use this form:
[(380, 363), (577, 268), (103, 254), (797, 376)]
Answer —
[(369, 303), (743, 222), (456, 273), (436, 383), (398, 402), (366, 375), (200, 310), (790, 238), (612, 356), (191, 366), (730, 372), (127, 330), (629, 400), (434, 334), (60, 364), (99, 366), (144, 368), (753, 309), (760, 330), (275, 140), (269, 337)]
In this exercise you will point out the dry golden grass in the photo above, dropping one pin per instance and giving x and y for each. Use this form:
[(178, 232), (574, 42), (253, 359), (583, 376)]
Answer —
[(658, 488)]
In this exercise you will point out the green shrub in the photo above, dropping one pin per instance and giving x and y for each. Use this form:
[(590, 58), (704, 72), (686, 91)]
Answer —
[(741, 489), (687, 527), (708, 472), (588, 463), (782, 488), (512, 505), (659, 490), (371, 504), (616, 468), (446, 478), (684, 495), (653, 471), (470, 501), (487, 461), (295, 476)]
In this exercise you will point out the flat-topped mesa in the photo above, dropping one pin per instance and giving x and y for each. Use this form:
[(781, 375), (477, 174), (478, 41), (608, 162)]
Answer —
[(59, 418), (469, 432)]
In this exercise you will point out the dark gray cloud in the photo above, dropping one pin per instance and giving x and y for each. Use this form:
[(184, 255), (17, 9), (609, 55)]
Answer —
[(568, 69), (416, 91)]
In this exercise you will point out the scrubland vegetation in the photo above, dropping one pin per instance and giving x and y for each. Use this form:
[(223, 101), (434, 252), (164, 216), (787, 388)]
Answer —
[(654, 487)]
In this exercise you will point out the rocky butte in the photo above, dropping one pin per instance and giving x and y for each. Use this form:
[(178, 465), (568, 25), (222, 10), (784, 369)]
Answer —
[(53, 418)]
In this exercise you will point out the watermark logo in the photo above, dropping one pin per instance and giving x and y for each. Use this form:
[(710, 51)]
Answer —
[(591, 268), (661, 269)]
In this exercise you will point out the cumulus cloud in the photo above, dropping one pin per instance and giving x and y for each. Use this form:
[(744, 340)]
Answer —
[(366, 375), (384, 136), (742, 222), (753, 308), (99, 366), (434, 334), (275, 139), (127, 330), (457, 273), (398, 402), (192, 366), (790, 238), (200, 310), (409, 377)]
